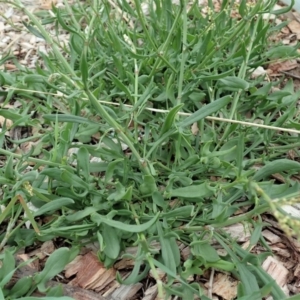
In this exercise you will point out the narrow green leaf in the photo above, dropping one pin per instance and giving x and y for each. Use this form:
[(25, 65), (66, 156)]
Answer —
[(204, 250), (9, 170), (166, 251), (54, 265), (81, 214), (21, 287), (66, 118), (111, 241), (180, 212), (256, 234), (205, 111), (159, 200), (120, 85), (233, 83), (194, 191), (280, 165), (169, 120), (97, 218), (53, 205), (84, 67), (33, 79), (74, 180), (8, 266), (9, 114), (111, 169), (148, 186), (83, 162), (216, 76), (248, 280), (34, 31)]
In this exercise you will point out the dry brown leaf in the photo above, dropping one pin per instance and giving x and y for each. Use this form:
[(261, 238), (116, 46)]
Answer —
[(279, 66)]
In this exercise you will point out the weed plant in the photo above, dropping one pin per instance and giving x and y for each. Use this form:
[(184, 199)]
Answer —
[(138, 96)]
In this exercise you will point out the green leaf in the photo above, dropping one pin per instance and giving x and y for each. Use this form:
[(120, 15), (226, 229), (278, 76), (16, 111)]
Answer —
[(216, 76), (9, 114), (204, 250), (83, 162), (97, 218), (248, 280), (34, 79), (66, 118), (81, 214), (166, 249), (34, 31), (84, 67), (111, 241), (148, 186), (205, 111), (54, 265), (194, 191), (256, 234), (222, 265), (120, 193), (73, 180), (54, 205), (280, 165), (7, 268), (169, 120), (22, 286), (180, 212), (233, 83), (159, 200), (9, 170), (111, 169), (120, 85)]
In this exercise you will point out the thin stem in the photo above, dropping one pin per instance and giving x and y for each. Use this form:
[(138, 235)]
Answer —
[(183, 53)]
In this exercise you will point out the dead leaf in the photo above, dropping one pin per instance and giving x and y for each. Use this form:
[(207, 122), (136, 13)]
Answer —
[(276, 67)]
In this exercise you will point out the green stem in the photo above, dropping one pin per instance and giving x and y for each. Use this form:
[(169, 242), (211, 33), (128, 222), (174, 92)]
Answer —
[(183, 54)]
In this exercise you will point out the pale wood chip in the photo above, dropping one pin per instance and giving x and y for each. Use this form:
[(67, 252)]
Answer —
[(276, 270), (271, 237), (125, 292), (150, 293), (224, 286), (238, 231)]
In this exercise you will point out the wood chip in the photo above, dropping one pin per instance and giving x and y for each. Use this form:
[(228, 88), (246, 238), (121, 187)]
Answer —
[(276, 270), (238, 232), (224, 286), (271, 237)]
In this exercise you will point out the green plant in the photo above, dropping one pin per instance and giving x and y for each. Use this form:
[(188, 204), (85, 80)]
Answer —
[(151, 177)]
